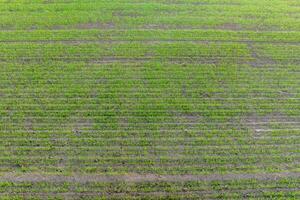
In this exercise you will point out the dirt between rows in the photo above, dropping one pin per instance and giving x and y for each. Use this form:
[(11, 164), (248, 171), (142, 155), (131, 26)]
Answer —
[(158, 194), (31, 177)]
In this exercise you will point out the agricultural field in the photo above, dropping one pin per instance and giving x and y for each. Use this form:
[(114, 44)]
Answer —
[(149, 99)]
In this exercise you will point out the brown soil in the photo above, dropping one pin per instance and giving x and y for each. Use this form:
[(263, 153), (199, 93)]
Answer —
[(258, 123), (95, 26), (11, 177), (229, 26), (258, 60)]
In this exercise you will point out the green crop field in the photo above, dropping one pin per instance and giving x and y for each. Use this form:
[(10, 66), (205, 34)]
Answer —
[(150, 99)]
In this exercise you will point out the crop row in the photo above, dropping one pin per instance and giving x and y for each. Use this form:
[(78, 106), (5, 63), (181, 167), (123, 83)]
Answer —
[(148, 151), (77, 131), (161, 186), (63, 166), (152, 14), (146, 142), (144, 35)]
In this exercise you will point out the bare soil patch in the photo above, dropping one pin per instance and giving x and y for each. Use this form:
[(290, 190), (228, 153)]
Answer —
[(95, 25), (230, 26), (11, 177), (260, 123), (82, 125), (258, 60)]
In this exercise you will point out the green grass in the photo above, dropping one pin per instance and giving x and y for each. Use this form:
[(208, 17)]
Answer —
[(163, 99)]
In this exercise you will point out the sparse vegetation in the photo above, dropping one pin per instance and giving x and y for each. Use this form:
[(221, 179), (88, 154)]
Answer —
[(161, 99)]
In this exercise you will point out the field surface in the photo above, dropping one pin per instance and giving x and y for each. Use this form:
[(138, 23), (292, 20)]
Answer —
[(149, 99)]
